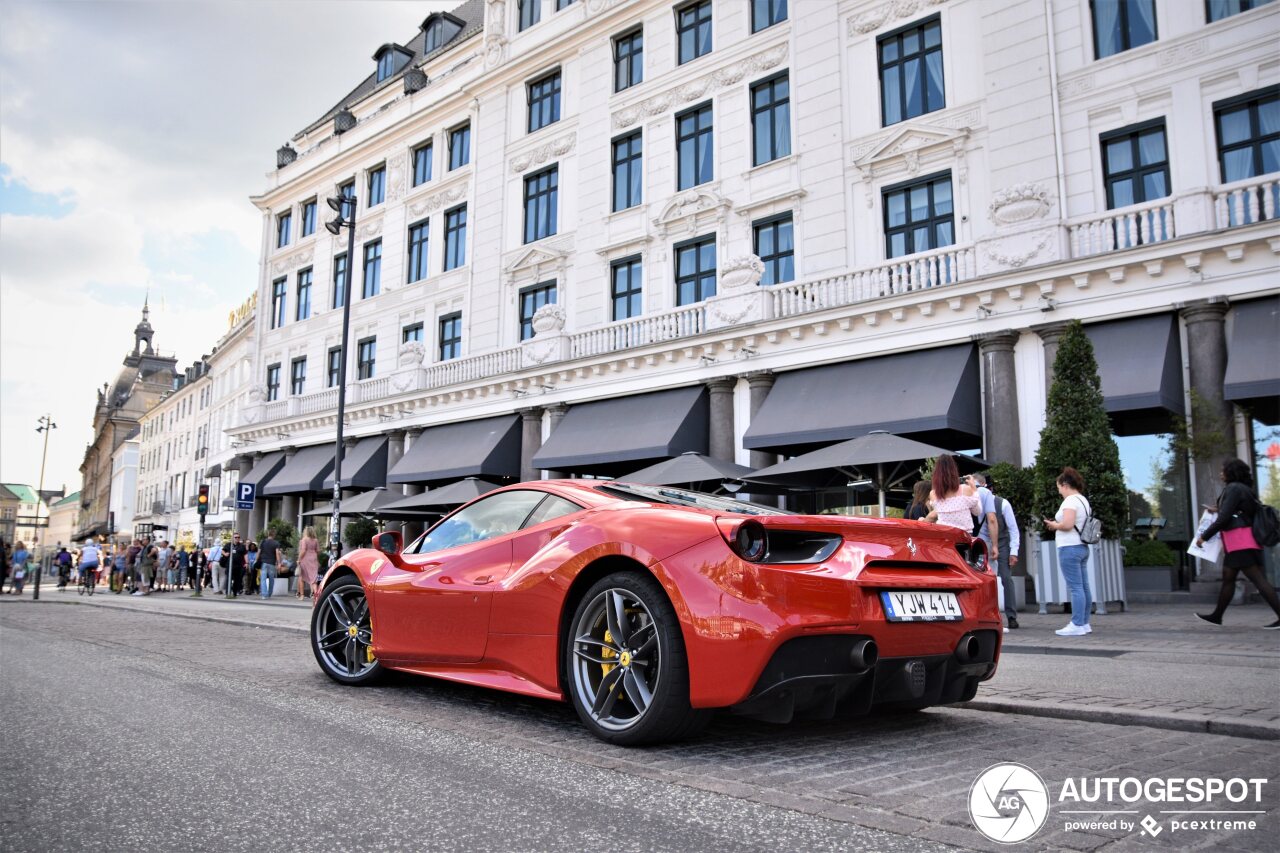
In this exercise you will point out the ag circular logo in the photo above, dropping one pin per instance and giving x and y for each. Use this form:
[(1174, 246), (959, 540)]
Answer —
[(1008, 803)]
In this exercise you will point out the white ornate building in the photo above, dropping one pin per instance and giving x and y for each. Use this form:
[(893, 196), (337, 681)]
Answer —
[(787, 226)]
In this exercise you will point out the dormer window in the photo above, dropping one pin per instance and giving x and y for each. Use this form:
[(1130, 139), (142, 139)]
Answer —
[(438, 30), (390, 58)]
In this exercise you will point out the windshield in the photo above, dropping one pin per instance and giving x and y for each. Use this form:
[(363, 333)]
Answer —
[(684, 497)]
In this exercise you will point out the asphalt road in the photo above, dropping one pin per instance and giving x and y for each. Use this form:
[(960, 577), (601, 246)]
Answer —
[(115, 739)]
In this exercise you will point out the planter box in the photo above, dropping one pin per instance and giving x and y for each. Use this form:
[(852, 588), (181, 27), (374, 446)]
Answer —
[(1105, 568), (1151, 578)]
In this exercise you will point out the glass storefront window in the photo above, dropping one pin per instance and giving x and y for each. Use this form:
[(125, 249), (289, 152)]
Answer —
[(1158, 484)]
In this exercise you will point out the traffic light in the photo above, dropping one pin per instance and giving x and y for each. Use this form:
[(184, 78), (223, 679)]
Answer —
[(202, 501)]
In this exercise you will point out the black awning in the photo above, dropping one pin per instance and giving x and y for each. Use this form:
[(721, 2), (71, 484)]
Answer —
[(486, 448), (1140, 365), (930, 395), (363, 466), (1253, 359), (213, 471), (265, 470), (302, 473), (630, 430)]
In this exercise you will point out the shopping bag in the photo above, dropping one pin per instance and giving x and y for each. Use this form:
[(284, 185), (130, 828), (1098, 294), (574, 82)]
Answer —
[(1211, 550)]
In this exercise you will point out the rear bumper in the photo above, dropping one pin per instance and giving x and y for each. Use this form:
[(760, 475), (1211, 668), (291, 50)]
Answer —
[(815, 678)]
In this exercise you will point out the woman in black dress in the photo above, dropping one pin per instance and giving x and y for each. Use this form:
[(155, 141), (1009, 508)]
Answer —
[(1236, 506)]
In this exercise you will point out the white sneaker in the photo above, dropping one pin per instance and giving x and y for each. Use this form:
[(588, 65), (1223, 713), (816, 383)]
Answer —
[(139, 592), (1073, 630), (1006, 630)]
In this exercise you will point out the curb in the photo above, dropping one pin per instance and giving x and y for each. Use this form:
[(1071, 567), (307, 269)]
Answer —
[(225, 620), (1148, 719)]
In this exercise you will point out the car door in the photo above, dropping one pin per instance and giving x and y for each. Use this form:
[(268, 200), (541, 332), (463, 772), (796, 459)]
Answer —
[(513, 600), (435, 606)]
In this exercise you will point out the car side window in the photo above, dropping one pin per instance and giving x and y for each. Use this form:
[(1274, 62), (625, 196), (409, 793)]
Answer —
[(551, 507), (496, 515)]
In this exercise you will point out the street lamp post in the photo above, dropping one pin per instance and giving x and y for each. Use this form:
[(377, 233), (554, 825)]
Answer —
[(345, 207), (46, 426)]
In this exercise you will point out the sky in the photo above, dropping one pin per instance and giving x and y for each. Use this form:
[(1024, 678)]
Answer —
[(132, 133)]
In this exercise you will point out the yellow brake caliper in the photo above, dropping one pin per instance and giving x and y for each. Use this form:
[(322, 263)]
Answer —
[(608, 653)]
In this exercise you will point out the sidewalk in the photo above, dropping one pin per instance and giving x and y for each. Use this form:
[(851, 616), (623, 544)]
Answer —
[(1154, 665)]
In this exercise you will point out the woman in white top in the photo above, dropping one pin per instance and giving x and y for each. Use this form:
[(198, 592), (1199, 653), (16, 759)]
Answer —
[(954, 505), (1073, 554)]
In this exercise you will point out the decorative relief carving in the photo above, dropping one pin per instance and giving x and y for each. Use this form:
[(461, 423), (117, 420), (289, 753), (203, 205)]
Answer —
[(741, 273), (296, 259), (1016, 251), (875, 18), (369, 230), (1183, 53), (396, 172), (536, 262), (410, 355), (495, 17), (923, 129), (548, 319), (688, 206), (1076, 87), (543, 153), (495, 51), (1018, 203), (439, 199), (597, 6), (694, 89)]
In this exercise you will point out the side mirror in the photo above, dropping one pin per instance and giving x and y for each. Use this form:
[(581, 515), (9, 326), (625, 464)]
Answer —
[(389, 543)]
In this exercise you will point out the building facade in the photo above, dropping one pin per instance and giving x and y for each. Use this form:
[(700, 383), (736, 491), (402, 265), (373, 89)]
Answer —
[(593, 234), (63, 516)]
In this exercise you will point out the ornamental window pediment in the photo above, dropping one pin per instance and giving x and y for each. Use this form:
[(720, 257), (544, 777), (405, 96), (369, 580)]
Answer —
[(691, 211), (535, 263), (909, 149)]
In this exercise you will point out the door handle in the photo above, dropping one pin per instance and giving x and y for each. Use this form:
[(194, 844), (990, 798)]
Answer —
[(482, 580)]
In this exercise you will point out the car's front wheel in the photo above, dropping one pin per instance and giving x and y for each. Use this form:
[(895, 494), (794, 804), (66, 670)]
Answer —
[(342, 633), (626, 667)]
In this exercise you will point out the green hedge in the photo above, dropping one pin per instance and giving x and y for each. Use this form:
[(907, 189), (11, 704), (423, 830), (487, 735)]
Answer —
[(1148, 552)]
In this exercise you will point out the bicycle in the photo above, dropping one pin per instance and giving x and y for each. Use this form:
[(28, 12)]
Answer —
[(88, 580)]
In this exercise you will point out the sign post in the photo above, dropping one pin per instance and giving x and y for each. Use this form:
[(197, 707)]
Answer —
[(246, 494)]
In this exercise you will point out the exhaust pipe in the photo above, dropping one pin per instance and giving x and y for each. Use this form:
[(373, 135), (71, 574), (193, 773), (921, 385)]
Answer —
[(864, 654), (968, 649)]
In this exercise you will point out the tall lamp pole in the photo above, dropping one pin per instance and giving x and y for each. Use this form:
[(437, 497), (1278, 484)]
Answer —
[(46, 426), (345, 207)]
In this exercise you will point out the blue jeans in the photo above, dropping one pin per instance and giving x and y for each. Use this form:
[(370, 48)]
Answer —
[(268, 578), (1073, 559)]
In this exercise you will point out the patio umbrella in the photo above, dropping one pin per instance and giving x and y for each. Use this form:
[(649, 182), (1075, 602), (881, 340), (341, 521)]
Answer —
[(688, 469), (879, 459), (454, 494), (365, 503)]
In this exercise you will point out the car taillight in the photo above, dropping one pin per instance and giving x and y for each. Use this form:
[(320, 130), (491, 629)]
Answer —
[(975, 554), (749, 541), (755, 543)]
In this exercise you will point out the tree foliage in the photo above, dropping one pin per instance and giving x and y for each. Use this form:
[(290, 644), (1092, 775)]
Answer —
[(360, 533), (1017, 486), (282, 531), (1078, 434)]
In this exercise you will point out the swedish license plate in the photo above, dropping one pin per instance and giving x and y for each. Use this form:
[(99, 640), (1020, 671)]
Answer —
[(912, 606)]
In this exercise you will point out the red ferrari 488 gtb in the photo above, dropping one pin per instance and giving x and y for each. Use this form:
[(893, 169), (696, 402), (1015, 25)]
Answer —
[(649, 607)]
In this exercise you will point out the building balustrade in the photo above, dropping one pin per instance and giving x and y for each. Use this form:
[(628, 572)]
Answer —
[(1123, 228), (1247, 202)]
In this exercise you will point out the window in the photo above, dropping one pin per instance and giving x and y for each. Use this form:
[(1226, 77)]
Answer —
[(628, 60), (303, 310), (347, 190), (1216, 10), (309, 218), (775, 246), (1135, 164), (411, 333), (918, 216), (540, 191), (766, 13), (377, 186), (387, 65), (335, 367), (278, 288), (422, 164), (544, 101), (550, 509), (770, 119), (459, 147), (455, 238), (695, 270), (434, 36), (1248, 134), (1120, 25), (628, 171), (530, 12), (366, 356), (563, 4), (626, 286), (372, 282), (450, 336), (911, 72), (297, 375), (531, 299), (487, 518), (283, 222), (694, 147), (273, 383), (418, 250), (693, 31), (339, 280)]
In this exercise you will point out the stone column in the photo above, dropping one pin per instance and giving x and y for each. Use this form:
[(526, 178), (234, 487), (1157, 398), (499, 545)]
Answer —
[(395, 452), (1002, 441), (1051, 335), (557, 413), (759, 383), (720, 444), (1207, 357), (530, 442), (412, 529)]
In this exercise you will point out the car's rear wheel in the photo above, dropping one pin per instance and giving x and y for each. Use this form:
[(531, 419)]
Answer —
[(626, 667), (342, 633)]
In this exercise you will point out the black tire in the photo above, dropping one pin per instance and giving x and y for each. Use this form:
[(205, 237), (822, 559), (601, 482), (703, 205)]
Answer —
[(644, 698), (344, 654)]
